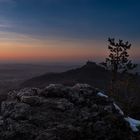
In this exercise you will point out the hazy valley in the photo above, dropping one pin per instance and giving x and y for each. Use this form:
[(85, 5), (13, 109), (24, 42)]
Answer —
[(12, 75)]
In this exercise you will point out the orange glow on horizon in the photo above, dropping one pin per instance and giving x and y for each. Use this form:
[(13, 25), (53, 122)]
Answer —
[(29, 49), (50, 50)]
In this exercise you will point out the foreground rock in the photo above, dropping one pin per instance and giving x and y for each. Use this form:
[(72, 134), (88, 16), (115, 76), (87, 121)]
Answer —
[(62, 113)]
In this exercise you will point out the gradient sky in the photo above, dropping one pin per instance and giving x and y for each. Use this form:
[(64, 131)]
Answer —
[(66, 30)]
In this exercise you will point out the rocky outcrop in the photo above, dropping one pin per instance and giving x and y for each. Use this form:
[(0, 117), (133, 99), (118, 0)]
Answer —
[(58, 112)]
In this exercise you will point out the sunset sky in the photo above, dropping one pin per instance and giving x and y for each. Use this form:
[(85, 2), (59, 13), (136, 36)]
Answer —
[(66, 30)]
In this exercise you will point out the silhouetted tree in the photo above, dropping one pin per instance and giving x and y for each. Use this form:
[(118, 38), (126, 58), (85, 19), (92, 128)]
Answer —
[(118, 59)]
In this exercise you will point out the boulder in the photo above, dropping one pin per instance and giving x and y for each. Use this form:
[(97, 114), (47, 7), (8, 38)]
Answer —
[(53, 91), (31, 100), (27, 92), (15, 110)]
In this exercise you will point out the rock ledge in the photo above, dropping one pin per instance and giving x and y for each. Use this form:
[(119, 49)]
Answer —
[(58, 112)]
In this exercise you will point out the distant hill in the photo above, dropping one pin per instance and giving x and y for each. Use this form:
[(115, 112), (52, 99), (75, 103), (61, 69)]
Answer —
[(13, 74), (90, 73)]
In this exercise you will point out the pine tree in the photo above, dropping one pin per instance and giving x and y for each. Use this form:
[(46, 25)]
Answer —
[(118, 59)]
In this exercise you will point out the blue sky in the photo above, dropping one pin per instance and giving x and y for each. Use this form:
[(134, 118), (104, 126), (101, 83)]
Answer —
[(71, 19)]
